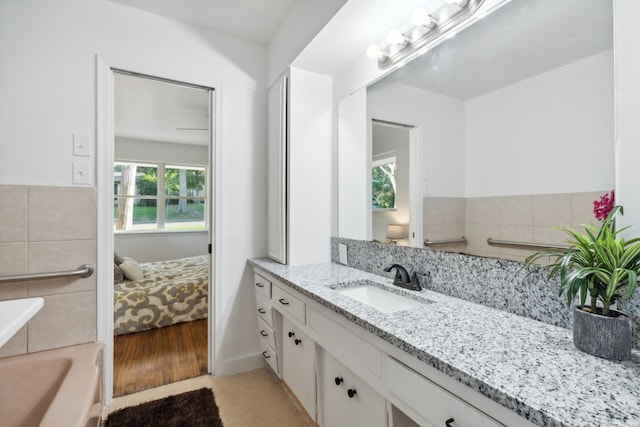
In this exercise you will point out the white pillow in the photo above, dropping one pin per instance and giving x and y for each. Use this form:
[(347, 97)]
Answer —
[(132, 270)]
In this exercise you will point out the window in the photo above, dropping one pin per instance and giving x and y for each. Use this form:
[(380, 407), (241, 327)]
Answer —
[(383, 183), (181, 198)]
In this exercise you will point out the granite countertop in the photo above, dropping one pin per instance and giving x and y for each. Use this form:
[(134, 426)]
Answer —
[(525, 365)]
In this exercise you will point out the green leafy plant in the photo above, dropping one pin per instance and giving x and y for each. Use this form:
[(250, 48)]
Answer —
[(599, 262)]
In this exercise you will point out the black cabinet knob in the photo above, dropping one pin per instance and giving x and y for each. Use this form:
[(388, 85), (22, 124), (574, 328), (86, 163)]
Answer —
[(264, 333), (449, 422), (291, 334), (260, 285), (298, 341), (265, 355), (261, 310), (283, 301), (351, 392), (338, 380)]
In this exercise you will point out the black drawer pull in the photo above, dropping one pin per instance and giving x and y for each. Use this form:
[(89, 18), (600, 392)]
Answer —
[(449, 422), (262, 311), (298, 341), (283, 301), (351, 392), (291, 334), (338, 380), (260, 285), (265, 355), (263, 333)]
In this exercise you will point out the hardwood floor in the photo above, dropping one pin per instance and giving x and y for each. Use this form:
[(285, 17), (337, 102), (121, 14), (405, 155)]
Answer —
[(160, 356)]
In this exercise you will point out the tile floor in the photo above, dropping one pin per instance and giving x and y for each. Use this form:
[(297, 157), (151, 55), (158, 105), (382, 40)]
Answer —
[(253, 398)]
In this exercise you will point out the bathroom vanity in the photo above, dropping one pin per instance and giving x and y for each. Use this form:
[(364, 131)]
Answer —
[(444, 361)]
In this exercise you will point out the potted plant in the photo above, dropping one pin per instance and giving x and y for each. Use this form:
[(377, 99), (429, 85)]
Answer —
[(599, 263)]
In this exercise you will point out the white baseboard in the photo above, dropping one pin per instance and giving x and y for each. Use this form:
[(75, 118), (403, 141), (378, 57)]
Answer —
[(241, 364)]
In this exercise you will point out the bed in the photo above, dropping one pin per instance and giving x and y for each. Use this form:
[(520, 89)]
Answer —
[(164, 293)]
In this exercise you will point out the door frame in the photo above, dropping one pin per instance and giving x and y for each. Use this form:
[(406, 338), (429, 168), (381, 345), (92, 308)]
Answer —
[(104, 194)]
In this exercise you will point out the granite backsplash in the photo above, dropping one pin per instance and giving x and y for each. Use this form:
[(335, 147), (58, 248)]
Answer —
[(496, 283)]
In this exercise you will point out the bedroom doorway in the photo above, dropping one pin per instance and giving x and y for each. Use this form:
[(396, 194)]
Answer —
[(162, 197)]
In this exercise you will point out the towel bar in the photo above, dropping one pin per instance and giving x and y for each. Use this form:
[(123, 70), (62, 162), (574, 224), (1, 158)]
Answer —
[(525, 244), (428, 242), (83, 271)]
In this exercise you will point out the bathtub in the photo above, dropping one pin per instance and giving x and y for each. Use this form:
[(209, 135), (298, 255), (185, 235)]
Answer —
[(61, 387)]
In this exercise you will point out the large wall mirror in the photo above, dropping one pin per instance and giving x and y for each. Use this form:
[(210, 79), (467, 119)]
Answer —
[(515, 115)]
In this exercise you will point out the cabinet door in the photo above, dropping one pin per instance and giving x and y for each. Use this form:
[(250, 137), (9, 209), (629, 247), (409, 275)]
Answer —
[(277, 171), (298, 366), (347, 400)]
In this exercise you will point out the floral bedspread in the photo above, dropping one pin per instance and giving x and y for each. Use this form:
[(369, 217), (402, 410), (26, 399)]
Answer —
[(171, 292)]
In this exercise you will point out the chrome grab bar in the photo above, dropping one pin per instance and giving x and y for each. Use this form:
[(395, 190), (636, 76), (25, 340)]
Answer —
[(83, 271), (525, 244), (428, 242)]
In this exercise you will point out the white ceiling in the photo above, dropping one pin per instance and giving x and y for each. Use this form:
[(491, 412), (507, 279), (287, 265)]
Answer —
[(253, 20), (159, 111), (522, 39)]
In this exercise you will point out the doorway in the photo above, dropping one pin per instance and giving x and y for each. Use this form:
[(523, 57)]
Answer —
[(396, 183), (161, 216)]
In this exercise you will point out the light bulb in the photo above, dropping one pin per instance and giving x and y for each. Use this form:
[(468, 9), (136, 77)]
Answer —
[(396, 37), (421, 18), (374, 52), (459, 3)]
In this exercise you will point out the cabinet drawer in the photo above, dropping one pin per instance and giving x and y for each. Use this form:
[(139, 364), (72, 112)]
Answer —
[(269, 355), (264, 310), (285, 302), (347, 400), (266, 333), (429, 399), (347, 342), (262, 285)]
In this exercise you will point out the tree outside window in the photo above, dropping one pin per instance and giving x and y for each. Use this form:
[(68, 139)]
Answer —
[(383, 183), (137, 197)]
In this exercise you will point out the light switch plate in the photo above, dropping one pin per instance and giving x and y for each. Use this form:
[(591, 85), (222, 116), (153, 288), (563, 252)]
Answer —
[(81, 145), (342, 249), (81, 171)]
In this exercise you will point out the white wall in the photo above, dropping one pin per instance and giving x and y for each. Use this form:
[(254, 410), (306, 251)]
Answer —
[(442, 120), (48, 86), (155, 151), (626, 41), (354, 152), (161, 246), (552, 133), (304, 21)]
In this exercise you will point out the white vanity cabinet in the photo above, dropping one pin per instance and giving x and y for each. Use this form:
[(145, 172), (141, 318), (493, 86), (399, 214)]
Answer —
[(266, 323), (433, 403), (346, 399), (298, 365), (345, 376)]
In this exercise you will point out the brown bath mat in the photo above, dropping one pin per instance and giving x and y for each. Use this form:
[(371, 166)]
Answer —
[(191, 409)]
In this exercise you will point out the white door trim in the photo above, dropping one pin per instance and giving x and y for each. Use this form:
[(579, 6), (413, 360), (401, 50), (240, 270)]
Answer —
[(416, 191), (104, 189)]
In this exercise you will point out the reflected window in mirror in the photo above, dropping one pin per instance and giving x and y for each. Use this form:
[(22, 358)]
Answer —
[(383, 182)]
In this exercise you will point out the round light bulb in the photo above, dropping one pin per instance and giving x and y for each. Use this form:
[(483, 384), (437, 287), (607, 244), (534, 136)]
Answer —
[(396, 37), (422, 18), (374, 52)]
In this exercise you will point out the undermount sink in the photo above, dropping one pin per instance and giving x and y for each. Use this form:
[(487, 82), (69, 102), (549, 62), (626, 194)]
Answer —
[(376, 296)]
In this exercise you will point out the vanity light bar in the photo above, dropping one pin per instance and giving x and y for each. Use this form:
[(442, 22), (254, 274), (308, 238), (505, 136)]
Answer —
[(426, 28)]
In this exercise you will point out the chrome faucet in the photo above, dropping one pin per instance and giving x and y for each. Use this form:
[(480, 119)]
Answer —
[(402, 278)]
